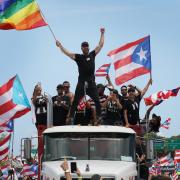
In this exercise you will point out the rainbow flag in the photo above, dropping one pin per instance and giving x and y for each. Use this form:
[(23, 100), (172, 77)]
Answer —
[(20, 15)]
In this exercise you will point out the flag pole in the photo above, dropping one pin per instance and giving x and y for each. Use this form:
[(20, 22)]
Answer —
[(47, 23)]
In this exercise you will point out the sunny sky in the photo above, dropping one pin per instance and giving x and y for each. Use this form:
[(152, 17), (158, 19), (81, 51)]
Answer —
[(34, 56)]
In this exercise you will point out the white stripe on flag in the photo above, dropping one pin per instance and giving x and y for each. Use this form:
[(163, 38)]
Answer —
[(6, 97), (127, 69), (4, 146), (9, 114), (123, 54), (4, 155)]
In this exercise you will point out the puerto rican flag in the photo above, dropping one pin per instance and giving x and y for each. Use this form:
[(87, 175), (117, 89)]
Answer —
[(30, 170), (9, 126), (177, 158), (166, 124), (13, 100), (5, 169), (165, 161), (131, 60), (103, 70), (4, 145), (159, 97)]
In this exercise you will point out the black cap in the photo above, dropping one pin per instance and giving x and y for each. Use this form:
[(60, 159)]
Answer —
[(84, 44), (100, 86), (60, 86)]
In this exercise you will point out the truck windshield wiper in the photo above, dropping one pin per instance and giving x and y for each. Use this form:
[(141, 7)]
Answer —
[(64, 157)]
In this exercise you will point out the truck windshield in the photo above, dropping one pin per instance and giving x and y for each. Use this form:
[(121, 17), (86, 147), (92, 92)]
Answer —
[(89, 146)]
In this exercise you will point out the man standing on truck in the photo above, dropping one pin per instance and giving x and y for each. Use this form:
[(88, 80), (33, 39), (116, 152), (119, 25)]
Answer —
[(86, 68)]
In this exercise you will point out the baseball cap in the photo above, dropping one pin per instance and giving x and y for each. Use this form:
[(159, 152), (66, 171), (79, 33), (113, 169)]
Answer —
[(84, 44)]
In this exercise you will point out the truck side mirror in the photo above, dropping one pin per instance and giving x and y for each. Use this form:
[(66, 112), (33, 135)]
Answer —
[(27, 148)]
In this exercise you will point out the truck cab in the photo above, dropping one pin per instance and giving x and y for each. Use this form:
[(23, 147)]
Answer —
[(105, 150)]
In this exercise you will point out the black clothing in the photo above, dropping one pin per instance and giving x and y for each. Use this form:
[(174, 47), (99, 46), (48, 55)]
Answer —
[(122, 100), (90, 91), (132, 108), (59, 111), (144, 170), (112, 114), (86, 66), (83, 118), (41, 110)]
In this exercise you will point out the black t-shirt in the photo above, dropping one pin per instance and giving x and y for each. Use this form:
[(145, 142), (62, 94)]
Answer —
[(86, 66), (132, 108), (41, 110), (112, 113), (122, 100), (59, 111)]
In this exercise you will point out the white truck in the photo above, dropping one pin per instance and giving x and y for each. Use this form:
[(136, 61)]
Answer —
[(105, 150)]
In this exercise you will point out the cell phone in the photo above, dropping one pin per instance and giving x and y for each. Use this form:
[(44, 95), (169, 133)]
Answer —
[(73, 167)]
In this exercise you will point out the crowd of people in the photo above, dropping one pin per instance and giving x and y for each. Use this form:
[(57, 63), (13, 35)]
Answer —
[(117, 108)]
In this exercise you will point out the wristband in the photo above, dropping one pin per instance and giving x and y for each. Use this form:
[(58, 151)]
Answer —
[(67, 171)]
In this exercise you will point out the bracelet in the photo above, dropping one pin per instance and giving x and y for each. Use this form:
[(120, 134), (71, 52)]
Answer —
[(67, 171)]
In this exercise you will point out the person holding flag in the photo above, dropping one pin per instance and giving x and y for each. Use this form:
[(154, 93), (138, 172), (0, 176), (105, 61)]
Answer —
[(86, 67)]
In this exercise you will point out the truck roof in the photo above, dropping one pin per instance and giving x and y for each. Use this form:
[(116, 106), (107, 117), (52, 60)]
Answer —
[(89, 129)]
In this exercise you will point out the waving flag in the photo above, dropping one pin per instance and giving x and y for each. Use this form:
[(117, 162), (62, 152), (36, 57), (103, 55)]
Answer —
[(177, 157), (9, 126), (20, 15), (82, 104), (159, 97), (29, 170), (166, 123), (103, 70), (132, 60), (4, 145), (13, 100), (165, 161), (5, 169)]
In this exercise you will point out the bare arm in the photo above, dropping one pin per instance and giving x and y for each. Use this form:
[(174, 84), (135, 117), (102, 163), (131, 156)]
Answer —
[(109, 81), (148, 112), (146, 88), (126, 118), (101, 42), (65, 51)]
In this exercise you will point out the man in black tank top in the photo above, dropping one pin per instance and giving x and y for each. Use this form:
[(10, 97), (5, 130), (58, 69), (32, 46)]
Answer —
[(86, 68)]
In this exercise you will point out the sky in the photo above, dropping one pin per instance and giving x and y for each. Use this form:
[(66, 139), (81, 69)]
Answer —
[(34, 56)]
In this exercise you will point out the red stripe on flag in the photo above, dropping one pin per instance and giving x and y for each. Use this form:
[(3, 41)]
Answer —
[(122, 62), (130, 75), (5, 151), (6, 107), (6, 139), (20, 113), (115, 51), (6, 87)]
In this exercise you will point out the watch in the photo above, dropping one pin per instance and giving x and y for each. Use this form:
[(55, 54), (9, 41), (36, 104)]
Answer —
[(67, 171)]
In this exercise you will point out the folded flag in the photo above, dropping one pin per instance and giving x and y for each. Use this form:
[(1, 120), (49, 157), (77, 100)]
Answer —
[(20, 15), (166, 124), (131, 60), (103, 70), (13, 100), (159, 97)]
